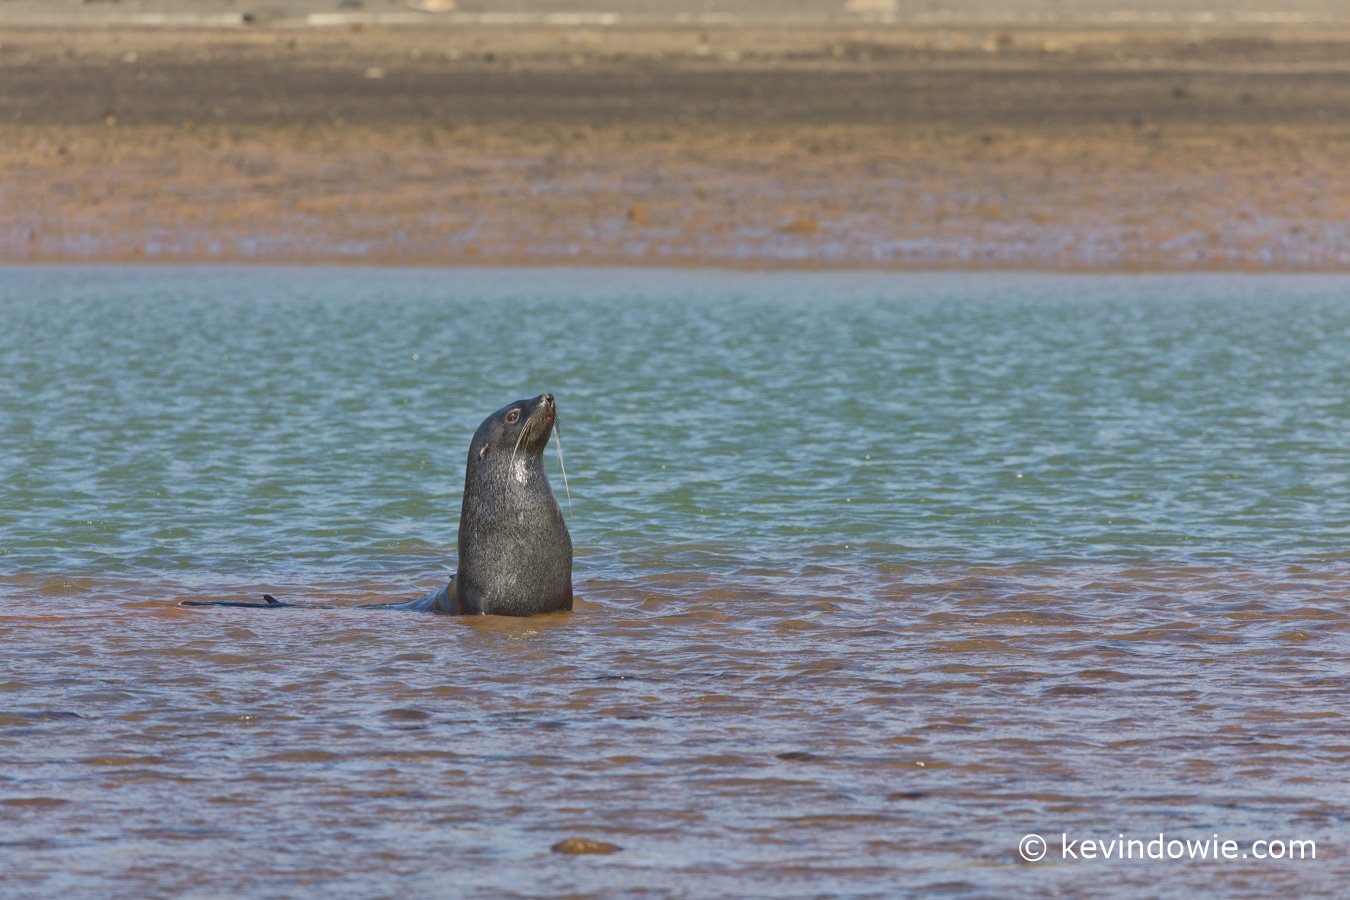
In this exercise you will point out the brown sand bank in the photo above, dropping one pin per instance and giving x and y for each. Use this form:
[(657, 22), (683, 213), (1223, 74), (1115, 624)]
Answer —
[(1064, 148)]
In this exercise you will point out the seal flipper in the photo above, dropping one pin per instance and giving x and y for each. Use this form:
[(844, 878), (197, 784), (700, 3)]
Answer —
[(269, 602)]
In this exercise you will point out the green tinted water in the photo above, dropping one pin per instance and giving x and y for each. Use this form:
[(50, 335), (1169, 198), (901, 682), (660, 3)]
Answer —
[(307, 421)]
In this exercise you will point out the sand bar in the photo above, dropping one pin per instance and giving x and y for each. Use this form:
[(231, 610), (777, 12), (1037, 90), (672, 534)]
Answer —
[(1064, 146)]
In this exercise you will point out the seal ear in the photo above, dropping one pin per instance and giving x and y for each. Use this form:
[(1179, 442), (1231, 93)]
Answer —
[(482, 451)]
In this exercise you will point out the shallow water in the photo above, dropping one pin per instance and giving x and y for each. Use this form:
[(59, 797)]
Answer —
[(880, 572)]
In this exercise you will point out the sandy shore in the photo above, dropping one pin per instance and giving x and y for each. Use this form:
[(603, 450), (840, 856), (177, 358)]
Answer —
[(1063, 148)]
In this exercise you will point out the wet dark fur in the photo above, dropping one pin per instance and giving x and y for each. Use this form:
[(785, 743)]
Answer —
[(515, 554)]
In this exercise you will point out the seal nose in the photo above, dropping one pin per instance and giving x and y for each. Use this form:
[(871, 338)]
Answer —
[(546, 399)]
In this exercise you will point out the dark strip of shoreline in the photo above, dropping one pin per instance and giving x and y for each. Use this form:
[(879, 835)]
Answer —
[(1050, 149)]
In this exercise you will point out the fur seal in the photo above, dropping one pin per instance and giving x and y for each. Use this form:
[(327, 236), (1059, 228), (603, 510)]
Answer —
[(515, 554)]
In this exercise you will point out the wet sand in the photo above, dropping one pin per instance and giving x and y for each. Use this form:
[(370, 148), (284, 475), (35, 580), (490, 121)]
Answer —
[(1160, 147)]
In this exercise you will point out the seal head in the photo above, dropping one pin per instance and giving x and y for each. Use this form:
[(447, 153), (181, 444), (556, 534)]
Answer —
[(515, 554)]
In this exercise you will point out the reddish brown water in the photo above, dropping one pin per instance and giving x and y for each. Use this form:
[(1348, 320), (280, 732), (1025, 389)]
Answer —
[(758, 733)]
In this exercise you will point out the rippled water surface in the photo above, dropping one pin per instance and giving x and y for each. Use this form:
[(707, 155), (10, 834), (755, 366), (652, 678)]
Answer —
[(879, 574)]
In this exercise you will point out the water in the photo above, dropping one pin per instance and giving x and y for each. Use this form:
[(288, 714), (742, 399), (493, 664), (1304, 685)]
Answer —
[(879, 573)]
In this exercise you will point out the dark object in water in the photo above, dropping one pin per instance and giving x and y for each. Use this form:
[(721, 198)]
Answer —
[(268, 601)]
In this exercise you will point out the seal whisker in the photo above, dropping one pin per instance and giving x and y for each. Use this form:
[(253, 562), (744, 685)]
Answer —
[(517, 446), (557, 445)]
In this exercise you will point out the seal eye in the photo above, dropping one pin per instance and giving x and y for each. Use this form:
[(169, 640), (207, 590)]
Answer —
[(513, 417)]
